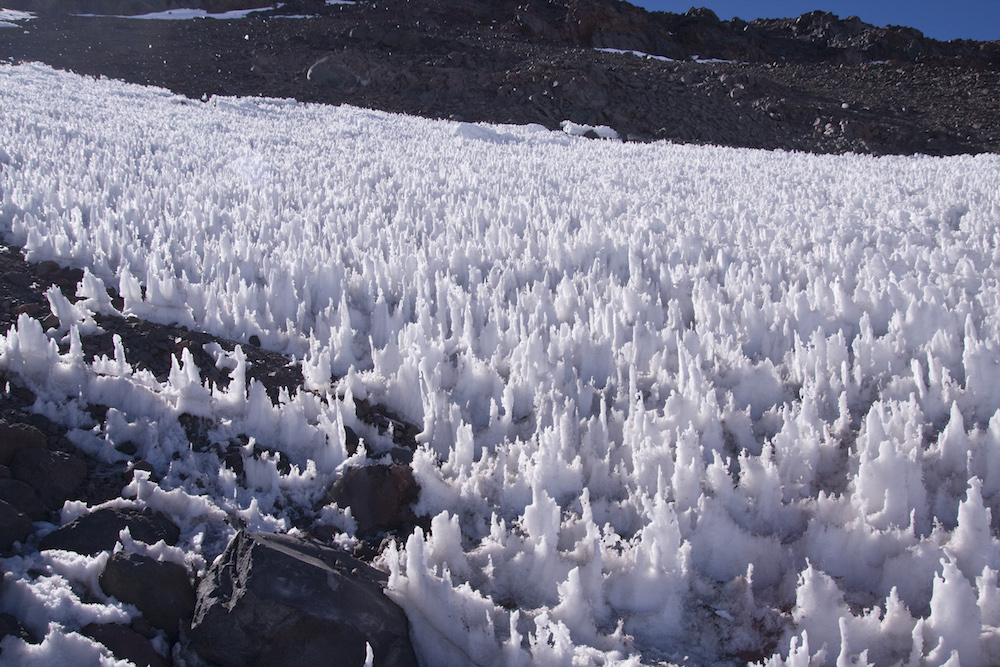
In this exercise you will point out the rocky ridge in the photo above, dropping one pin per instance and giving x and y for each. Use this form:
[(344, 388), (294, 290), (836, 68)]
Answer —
[(815, 83)]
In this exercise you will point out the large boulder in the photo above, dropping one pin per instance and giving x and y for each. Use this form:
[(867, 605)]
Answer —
[(54, 476), (126, 644), (158, 589), (278, 600), (15, 437), (98, 531), (23, 497), (14, 525), (346, 71), (379, 497)]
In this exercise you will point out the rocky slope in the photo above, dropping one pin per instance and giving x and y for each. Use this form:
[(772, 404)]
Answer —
[(816, 83)]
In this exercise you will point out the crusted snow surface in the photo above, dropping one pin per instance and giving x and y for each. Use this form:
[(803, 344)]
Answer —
[(679, 404)]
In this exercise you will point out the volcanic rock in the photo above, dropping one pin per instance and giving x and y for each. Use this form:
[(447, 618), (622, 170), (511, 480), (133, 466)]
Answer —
[(98, 531), (279, 600), (14, 525), (23, 497), (15, 437), (126, 644), (379, 497), (53, 475), (159, 589)]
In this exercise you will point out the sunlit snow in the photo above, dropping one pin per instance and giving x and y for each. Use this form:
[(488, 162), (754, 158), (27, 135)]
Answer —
[(185, 13), (640, 54), (679, 404), (9, 16)]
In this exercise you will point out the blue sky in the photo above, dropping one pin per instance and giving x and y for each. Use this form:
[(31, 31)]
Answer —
[(968, 19)]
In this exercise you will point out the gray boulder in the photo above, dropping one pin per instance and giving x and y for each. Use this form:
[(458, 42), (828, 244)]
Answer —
[(14, 526), (126, 644), (23, 497), (380, 497), (15, 437), (347, 70), (277, 600), (159, 589), (54, 476), (98, 531)]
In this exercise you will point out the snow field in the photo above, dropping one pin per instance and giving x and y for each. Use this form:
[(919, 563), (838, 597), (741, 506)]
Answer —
[(683, 404)]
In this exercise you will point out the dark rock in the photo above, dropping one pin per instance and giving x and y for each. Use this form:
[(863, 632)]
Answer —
[(39, 421), (10, 626), (278, 600), (159, 589), (14, 525), (98, 531), (348, 70), (351, 440), (379, 497), (23, 497), (15, 437), (126, 644), (53, 475)]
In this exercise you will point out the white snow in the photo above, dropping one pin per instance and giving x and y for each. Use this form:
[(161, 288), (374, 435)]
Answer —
[(186, 14), (678, 403), (9, 17), (15, 15), (649, 56), (578, 130), (640, 54)]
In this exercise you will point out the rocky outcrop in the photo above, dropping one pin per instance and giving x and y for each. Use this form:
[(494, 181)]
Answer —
[(280, 600)]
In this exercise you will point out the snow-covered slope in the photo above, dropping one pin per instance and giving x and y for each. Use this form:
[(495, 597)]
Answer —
[(687, 404)]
